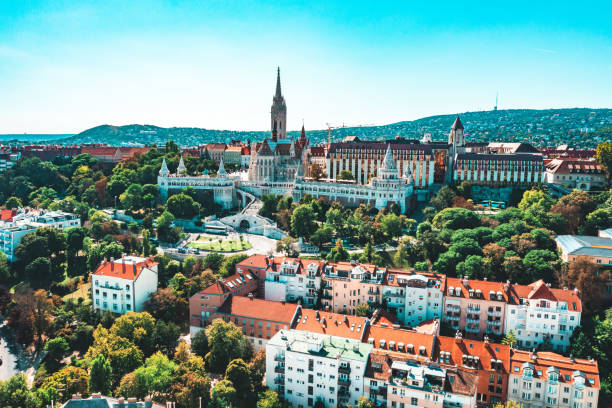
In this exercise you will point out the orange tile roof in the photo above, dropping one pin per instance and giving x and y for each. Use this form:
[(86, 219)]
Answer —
[(382, 317), (274, 262), (255, 261), (484, 286), (567, 366), (215, 289), (7, 215), (237, 279), (475, 348), (333, 324), (128, 270), (242, 306), (375, 334)]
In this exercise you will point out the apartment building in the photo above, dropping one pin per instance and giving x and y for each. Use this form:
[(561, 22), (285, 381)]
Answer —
[(351, 284), (305, 367), (596, 249), (475, 306), (18, 223), (576, 173), (293, 279), (233, 155), (123, 285), (537, 313), (489, 361), (543, 379), (395, 380), (413, 297)]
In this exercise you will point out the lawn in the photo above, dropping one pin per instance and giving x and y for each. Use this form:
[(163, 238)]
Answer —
[(81, 292), (226, 245)]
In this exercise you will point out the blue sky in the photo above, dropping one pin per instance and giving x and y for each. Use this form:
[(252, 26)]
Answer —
[(66, 66)]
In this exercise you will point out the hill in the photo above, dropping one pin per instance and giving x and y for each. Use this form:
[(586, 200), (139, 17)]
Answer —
[(550, 127)]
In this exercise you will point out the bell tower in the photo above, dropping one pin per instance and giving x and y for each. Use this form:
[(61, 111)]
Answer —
[(278, 112)]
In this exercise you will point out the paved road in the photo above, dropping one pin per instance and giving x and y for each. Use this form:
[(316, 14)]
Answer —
[(8, 354)]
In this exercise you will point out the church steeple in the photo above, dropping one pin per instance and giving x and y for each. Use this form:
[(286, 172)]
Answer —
[(278, 86), (278, 112)]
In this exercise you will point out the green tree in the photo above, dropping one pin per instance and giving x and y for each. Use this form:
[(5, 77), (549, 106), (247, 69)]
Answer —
[(100, 375), (338, 253), (138, 327), (604, 154), (228, 267), (363, 310), (67, 381), (345, 175), (322, 236), (238, 374), (443, 199), (509, 339), (199, 344), (56, 348), (538, 198), (224, 395), (13, 202), (166, 305), (303, 221), (269, 399), (364, 402), (540, 264), (182, 206), (392, 225), (226, 343), (472, 267), (456, 218)]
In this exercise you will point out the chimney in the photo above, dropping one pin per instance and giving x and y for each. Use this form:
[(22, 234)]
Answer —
[(458, 337), (96, 395), (486, 339), (250, 296), (466, 282), (148, 402), (112, 266), (134, 268), (132, 400), (76, 396)]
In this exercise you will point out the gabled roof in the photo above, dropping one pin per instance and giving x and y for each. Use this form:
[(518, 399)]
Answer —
[(334, 324), (249, 307), (264, 149), (541, 291)]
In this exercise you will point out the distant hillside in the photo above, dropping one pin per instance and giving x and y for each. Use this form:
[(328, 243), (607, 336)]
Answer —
[(549, 127)]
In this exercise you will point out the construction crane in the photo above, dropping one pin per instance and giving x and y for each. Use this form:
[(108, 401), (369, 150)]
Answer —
[(330, 127)]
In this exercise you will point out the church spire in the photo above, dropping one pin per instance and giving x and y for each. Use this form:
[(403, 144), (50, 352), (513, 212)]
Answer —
[(221, 171), (278, 86), (164, 168)]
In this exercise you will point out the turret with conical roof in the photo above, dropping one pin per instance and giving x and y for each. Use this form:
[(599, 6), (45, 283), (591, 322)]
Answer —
[(164, 168), (181, 166), (387, 170), (221, 171), (456, 137)]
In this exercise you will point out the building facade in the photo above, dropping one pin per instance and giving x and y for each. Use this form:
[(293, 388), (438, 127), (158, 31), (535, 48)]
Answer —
[(542, 379), (18, 223), (304, 367), (123, 285)]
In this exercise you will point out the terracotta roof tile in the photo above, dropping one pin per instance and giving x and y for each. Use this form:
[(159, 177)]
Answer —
[(250, 307), (380, 337), (334, 324), (130, 269), (475, 348)]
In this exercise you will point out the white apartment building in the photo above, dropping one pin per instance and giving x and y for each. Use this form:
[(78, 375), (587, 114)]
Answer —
[(304, 367), (549, 380), (24, 221), (123, 285), (537, 313), (413, 298), (294, 279)]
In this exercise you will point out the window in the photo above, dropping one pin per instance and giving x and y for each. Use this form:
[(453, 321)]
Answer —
[(414, 401)]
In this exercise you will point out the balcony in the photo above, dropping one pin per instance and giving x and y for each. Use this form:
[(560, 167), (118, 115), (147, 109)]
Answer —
[(472, 309), (494, 322), (279, 357), (344, 381), (344, 369), (393, 294), (372, 292), (326, 295), (472, 329), (343, 392), (494, 313), (311, 295), (279, 380), (472, 320), (453, 308), (451, 317), (326, 286), (279, 370), (310, 285)]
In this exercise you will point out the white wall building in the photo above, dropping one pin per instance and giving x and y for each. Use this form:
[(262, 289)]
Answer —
[(304, 367), (123, 285), (413, 298), (539, 380), (292, 280), (536, 314), (24, 221)]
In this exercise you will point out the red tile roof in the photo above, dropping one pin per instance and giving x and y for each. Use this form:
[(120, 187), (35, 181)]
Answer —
[(566, 365), (375, 334), (125, 270), (242, 306), (475, 348), (7, 215), (333, 324)]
